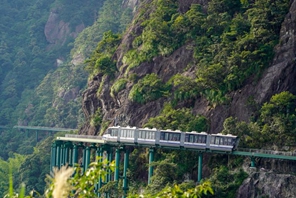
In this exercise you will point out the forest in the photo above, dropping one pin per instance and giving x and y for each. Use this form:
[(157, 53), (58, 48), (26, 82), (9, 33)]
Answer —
[(42, 84)]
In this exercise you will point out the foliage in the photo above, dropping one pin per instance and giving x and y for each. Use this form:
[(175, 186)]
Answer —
[(176, 192), (148, 89), (8, 167), (118, 86), (233, 41), (225, 183), (157, 38), (181, 119), (101, 59), (97, 118), (274, 126), (184, 88)]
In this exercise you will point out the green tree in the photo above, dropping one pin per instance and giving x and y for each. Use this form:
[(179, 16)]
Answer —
[(148, 89), (181, 119)]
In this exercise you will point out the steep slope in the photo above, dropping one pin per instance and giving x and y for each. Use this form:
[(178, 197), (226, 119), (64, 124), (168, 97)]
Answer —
[(173, 72), (120, 109)]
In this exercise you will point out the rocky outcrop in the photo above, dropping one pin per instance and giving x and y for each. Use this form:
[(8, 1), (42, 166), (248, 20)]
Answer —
[(268, 184), (280, 76), (57, 31)]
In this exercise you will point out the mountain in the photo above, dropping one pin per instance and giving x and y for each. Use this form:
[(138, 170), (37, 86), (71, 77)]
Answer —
[(201, 66), (194, 65)]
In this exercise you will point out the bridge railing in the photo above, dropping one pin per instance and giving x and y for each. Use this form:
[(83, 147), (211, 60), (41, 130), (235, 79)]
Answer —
[(285, 153)]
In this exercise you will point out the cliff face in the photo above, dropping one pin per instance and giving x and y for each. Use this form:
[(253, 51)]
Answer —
[(57, 31), (270, 185), (280, 76), (121, 110)]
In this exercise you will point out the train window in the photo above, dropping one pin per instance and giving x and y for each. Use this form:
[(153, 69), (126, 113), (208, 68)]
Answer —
[(186, 137), (152, 135), (229, 141), (222, 141), (162, 135), (129, 133), (166, 136), (217, 139), (176, 137), (147, 134), (123, 133), (114, 132), (143, 135), (195, 138), (191, 138), (212, 140), (202, 139), (170, 136)]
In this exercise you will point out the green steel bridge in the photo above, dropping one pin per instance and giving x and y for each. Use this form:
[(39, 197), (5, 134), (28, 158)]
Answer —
[(69, 149), (38, 129)]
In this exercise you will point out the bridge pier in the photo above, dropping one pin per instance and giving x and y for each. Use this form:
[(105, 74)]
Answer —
[(151, 159), (36, 136), (52, 156), (86, 158), (117, 158), (125, 167), (58, 154), (75, 155), (253, 164), (199, 171), (100, 159)]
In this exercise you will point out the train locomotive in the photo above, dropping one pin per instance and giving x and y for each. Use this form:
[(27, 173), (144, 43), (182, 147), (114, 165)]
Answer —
[(170, 138)]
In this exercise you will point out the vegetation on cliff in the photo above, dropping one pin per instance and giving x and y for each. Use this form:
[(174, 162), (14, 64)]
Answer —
[(231, 42)]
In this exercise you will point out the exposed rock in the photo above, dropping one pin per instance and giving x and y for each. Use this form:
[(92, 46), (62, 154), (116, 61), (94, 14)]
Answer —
[(270, 185), (57, 31), (280, 76)]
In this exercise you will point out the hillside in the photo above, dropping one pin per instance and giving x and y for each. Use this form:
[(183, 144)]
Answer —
[(199, 66), (214, 66)]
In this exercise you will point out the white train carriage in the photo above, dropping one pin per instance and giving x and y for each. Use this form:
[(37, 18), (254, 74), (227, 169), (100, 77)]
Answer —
[(127, 134), (196, 140), (171, 138), (111, 134), (146, 136), (120, 134), (223, 142)]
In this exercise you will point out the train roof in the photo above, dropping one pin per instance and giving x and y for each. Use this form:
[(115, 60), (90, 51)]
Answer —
[(222, 135), (170, 131), (198, 133), (147, 129)]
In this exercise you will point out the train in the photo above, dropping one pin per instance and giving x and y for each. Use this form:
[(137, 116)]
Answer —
[(170, 138)]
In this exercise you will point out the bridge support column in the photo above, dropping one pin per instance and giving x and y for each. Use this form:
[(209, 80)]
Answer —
[(199, 172), (58, 154), (86, 158), (117, 158), (75, 155), (253, 165), (52, 156), (62, 154), (151, 159), (36, 136), (66, 153), (100, 159), (110, 156), (125, 167)]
